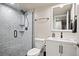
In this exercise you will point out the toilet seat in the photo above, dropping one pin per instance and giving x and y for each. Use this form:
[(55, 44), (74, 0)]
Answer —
[(33, 52)]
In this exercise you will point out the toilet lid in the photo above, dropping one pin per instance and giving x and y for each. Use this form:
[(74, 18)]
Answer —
[(34, 51)]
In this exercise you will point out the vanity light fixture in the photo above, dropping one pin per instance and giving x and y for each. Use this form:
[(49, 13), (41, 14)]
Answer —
[(61, 6)]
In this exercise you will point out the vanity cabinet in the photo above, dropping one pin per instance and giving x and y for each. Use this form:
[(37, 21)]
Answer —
[(69, 49), (52, 48), (56, 48)]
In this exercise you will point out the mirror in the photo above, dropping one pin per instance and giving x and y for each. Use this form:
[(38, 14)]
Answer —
[(63, 17)]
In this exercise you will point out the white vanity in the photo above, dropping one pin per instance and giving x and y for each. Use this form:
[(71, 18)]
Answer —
[(60, 47), (64, 19)]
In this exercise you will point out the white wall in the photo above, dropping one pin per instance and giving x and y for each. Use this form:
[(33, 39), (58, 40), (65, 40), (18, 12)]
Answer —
[(42, 28)]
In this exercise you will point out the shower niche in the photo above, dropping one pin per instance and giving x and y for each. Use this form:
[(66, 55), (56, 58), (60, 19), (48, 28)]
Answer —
[(64, 17), (22, 24)]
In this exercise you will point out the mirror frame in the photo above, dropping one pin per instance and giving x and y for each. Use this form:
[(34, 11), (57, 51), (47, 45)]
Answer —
[(68, 30)]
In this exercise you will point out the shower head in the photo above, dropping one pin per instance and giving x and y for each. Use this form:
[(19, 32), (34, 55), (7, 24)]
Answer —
[(23, 11)]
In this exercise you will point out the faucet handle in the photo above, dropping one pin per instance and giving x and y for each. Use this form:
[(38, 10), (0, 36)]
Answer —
[(61, 35)]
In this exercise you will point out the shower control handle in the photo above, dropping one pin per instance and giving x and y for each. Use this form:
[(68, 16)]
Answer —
[(15, 33)]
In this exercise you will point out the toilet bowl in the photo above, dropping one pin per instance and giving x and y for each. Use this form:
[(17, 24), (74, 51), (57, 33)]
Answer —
[(39, 45), (34, 52)]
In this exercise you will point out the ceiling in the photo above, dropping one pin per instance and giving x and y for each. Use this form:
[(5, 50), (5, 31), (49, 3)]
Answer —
[(26, 6)]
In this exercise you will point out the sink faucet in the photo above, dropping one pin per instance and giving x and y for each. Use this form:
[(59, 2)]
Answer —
[(61, 35)]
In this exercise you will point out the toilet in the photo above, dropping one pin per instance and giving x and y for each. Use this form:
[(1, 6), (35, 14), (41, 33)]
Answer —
[(39, 45)]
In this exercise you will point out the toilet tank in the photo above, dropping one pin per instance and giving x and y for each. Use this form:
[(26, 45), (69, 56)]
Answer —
[(39, 43)]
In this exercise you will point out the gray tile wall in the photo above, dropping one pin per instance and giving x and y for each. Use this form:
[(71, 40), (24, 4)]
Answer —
[(9, 21)]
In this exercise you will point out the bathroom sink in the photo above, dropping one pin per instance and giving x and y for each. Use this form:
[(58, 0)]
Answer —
[(63, 40)]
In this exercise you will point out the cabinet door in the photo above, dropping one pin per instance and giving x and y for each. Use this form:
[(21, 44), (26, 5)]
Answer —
[(69, 50), (52, 48)]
